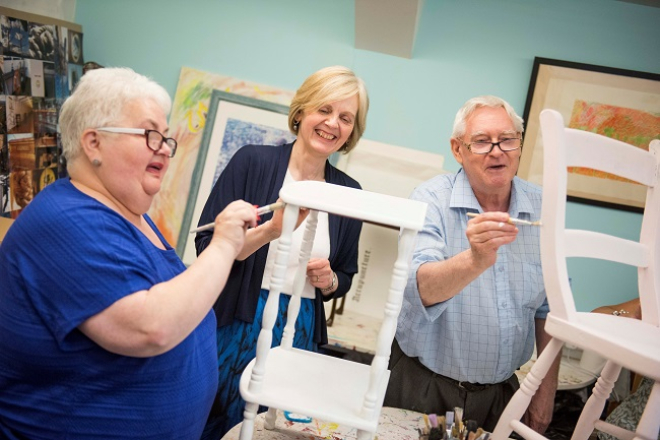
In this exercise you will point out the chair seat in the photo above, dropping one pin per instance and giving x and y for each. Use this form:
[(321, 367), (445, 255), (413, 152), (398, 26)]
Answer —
[(338, 387), (632, 343)]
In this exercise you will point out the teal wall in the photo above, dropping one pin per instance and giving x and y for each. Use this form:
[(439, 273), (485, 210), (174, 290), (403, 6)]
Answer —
[(463, 48)]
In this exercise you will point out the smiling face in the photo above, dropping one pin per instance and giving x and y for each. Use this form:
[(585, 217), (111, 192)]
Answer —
[(325, 130), (130, 172), (490, 173)]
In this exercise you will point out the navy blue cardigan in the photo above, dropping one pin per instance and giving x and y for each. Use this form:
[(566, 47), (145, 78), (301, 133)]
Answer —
[(255, 174)]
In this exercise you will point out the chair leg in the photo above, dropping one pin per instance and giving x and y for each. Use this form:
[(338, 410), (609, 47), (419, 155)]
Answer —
[(518, 404), (364, 435), (271, 417), (594, 406), (247, 428), (649, 424)]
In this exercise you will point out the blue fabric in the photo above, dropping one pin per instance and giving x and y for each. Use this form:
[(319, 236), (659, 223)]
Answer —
[(237, 345), (255, 174), (486, 332), (66, 258)]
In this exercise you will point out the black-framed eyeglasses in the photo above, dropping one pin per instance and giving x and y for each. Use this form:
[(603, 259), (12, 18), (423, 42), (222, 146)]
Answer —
[(154, 139), (485, 147)]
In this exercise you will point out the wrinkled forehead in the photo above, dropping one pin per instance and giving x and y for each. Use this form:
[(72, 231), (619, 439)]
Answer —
[(489, 121), (145, 113)]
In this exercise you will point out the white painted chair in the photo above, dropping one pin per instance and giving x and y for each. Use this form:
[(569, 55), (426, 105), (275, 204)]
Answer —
[(626, 342), (316, 385)]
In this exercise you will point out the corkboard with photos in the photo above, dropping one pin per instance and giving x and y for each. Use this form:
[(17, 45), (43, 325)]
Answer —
[(40, 63)]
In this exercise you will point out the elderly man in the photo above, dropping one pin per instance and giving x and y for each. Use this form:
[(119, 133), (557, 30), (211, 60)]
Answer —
[(475, 300)]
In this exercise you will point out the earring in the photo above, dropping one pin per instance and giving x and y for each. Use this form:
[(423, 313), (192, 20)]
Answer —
[(295, 125), (96, 162)]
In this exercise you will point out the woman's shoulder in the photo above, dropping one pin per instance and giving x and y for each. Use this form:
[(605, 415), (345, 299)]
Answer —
[(259, 156), (338, 177), (268, 151)]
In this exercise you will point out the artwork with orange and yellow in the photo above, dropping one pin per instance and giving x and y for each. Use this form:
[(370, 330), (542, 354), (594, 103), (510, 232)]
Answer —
[(187, 122), (634, 127)]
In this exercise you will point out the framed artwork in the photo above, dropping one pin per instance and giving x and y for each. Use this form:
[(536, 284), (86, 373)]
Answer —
[(622, 104), (232, 122), (187, 124)]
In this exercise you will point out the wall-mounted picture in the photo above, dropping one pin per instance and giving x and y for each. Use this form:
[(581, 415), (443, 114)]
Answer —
[(75, 73), (233, 121), (75, 47), (618, 103), (4, 32), (20, 118), (45, 115), (16, 77), (21, 151), (43, 42), (18, 41)]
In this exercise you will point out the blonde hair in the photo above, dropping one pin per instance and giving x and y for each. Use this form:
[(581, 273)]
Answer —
[(483, 101), (99, 100), (327, 85)]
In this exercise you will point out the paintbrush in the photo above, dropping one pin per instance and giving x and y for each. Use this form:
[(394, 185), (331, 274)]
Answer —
[(512, 221), (260, 211)]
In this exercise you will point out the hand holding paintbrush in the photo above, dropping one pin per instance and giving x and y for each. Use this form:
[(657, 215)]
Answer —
[(260, 211)]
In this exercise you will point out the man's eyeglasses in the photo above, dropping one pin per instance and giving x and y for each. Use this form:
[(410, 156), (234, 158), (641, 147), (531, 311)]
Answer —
[(155, 140), (485, 147)]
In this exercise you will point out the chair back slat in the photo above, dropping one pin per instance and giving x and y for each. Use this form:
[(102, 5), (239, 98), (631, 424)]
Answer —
[(564, 148), (590, 244)]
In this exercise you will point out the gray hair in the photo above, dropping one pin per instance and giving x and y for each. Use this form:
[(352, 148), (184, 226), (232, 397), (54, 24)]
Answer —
[(99, 100), (483, 101), (331, 84)]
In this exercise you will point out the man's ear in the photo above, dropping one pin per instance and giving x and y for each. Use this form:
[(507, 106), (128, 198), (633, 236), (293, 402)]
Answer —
[(456, 150)]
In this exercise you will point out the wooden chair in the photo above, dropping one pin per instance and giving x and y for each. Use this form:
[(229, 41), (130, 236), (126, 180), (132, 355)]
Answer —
[(631, 343), (309, 383)]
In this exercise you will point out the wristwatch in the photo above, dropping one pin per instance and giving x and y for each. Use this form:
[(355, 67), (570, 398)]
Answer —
[(332, 286)]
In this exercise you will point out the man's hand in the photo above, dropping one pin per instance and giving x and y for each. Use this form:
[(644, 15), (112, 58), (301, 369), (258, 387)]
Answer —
[(486, 233), (539, 413), (540, 409)]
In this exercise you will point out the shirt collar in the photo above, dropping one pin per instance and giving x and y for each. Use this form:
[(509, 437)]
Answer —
[(463, 197)]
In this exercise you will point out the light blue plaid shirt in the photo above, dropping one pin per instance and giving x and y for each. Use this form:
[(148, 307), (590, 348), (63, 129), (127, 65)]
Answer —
[(486, 332)]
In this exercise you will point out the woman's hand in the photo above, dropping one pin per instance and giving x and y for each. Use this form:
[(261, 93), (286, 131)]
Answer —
[(320, 275), (275, 223), (231, 225)]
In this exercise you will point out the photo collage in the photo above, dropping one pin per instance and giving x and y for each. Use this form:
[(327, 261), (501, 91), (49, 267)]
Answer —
[(39, 64)]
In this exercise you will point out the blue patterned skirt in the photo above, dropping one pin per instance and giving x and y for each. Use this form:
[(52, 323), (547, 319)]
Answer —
[(237, 346)]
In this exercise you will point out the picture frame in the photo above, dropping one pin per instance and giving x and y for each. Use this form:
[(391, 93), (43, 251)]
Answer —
[(232, 122), (623, 104)]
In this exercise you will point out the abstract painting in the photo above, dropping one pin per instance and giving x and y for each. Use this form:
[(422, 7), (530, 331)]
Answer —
[(187, 123), (233, 121), (618, 103)]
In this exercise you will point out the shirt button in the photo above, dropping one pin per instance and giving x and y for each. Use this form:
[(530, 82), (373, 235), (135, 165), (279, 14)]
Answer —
[(501, 269)]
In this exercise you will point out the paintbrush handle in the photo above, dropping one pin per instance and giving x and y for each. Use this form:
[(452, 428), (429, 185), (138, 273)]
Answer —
[(260, 211), (512, 221)]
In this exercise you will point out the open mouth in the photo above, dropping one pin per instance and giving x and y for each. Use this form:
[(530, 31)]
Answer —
[(326, 136), (155, 166)]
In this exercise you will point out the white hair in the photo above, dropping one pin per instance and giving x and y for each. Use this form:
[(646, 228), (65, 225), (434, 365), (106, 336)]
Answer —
[(99, 100), (483, 101)]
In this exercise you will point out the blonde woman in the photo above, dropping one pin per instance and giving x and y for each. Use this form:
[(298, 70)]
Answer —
[(327, 114)]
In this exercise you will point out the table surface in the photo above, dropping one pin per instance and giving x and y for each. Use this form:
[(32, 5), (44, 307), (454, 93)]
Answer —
[(394, 424), (354, 331)]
